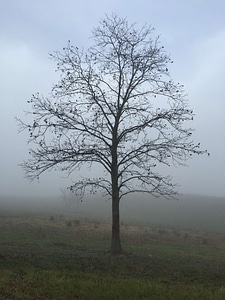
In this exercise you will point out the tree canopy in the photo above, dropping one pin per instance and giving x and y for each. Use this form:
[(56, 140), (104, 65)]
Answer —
[(117, 107)]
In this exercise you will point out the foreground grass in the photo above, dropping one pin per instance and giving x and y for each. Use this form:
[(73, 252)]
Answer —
[(59, 259), (32, 283)]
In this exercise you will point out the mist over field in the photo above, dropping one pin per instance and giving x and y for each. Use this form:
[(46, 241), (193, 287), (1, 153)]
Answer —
[(189, 212), (55, 246), (30, 30)]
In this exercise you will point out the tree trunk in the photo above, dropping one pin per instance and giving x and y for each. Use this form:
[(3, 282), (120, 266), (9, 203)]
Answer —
[(115, 242)]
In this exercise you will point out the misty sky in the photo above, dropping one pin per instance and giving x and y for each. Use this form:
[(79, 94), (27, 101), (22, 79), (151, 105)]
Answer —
[(192, 31)]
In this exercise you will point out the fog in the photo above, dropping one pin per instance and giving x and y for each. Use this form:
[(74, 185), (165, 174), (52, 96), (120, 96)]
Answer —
[(191, 212), (192, 31)]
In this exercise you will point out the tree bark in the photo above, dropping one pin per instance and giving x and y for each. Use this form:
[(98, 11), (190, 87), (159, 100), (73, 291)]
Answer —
[(115, 242)]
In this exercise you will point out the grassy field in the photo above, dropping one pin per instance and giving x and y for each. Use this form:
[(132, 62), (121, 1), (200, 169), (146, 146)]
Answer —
[(63, 257)]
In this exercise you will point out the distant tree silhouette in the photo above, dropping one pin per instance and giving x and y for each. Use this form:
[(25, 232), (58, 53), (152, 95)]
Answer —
[(115, 107)]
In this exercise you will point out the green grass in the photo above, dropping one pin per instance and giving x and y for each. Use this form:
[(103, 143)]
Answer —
[(31, 283), (42, 258)]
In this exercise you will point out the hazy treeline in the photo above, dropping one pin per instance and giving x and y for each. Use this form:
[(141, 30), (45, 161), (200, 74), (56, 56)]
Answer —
[(190, 211)]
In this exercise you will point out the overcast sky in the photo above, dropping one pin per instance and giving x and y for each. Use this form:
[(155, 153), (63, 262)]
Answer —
[(192, 31)]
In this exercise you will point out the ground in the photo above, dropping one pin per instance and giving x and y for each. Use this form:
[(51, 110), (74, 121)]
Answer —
[(65, 257)]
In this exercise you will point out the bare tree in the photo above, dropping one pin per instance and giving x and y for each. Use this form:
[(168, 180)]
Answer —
[(115, 106), (69, 199)]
